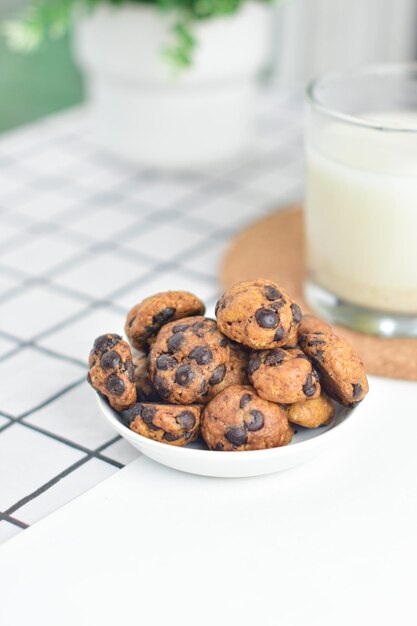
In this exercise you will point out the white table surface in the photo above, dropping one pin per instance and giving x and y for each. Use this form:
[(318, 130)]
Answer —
[(331, 542)]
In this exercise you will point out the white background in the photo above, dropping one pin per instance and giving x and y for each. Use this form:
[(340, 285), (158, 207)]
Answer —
[(314, 36), (331, 542)]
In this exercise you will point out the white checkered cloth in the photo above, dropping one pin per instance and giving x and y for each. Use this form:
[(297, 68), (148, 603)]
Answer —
[(83, 237)]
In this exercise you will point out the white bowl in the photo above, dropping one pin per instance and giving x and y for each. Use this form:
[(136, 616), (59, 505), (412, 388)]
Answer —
[(197, 459)]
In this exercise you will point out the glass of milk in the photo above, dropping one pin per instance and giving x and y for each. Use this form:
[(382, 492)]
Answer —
[(361, 205)]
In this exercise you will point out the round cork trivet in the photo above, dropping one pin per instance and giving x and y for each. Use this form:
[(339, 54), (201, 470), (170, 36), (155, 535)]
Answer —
[(273, 248)]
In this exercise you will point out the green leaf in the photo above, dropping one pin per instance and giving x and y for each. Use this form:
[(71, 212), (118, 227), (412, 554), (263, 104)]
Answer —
[(180, 52)]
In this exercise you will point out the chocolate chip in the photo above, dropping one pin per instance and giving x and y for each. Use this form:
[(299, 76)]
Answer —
[(271, 293), (218, 447), (125, 419), (130, 322), (150, 331), (147, 414), (223, 342), (302, 356), (319, 355), (166, 362), (89, 379), (254, 363), (115, 385), (296, 313), (218, 375), (171, 437), (275, 357), (201, 354), (276, 306), (216, 309), (160, 386), (179, 328), (204, 388), (175, 342), (164, 316), (256, 422), (105, 342), (357, 390), (309, 387), (244, 400), (236, 435), (266, 318), (133, 411), (184, 375), (315, 342), (279, 335), (130, 370), (110, 360), (199, 328), (186, 419), (316, 373)]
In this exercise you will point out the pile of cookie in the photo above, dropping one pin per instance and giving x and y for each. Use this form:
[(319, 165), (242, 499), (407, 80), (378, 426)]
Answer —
[(239, 381)]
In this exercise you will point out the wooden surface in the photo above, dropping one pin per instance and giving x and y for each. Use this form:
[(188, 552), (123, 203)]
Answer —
[(273, 248)]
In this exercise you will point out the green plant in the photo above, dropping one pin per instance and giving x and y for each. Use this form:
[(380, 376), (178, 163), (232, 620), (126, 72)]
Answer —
[(50, 19)]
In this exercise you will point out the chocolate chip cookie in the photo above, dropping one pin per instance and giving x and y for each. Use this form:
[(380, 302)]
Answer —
[(342, 373), (258, 314), (236, 370), (144, 388), (238, 419), (145, 319), (312, 324), (284, 376), (237, 365), (311, 413), (167, 423), (188, 359), (111, 371)]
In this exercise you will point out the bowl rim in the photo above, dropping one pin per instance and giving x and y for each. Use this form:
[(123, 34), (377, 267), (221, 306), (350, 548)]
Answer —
[(304, 446)]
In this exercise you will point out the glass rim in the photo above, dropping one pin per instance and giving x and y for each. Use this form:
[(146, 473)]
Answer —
[(397, 69)]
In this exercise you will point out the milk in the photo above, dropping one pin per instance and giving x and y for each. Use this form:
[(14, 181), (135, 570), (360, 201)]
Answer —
[(361, 213)]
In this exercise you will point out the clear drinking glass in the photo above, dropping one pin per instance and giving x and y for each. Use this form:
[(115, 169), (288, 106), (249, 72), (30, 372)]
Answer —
[(361, 205)]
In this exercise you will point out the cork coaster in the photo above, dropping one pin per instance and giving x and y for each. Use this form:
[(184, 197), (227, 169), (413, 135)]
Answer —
[(273, 248)]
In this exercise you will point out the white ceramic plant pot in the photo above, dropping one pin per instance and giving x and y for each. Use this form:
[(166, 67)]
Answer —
[(145, 113)]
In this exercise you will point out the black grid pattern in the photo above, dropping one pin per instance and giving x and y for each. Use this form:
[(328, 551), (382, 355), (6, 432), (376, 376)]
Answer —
[(82, 238)]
